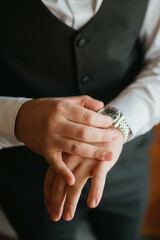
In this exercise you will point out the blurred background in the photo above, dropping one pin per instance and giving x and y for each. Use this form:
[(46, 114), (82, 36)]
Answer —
[(151, 224)]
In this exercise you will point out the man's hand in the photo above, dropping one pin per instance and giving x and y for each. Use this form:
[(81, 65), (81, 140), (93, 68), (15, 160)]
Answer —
[(60, 199), (51, 126)]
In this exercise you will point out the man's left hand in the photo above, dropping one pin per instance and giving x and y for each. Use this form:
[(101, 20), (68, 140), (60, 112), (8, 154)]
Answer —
[(61, 199)]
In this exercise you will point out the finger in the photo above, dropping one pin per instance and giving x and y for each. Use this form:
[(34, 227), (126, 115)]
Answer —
[(93, 104), (48, 182), (59, 189), (56, 161), (73, 194), (100, 171), (85, 116), (57, 198), (87, 102), (87, 133), (84, 149), (97, 186)]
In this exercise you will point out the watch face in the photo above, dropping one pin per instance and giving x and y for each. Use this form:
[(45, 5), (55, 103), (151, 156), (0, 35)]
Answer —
[(110, 111)]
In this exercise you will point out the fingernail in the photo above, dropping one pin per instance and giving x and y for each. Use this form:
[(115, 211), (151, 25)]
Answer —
[(54, 217), (92, 203), (67, 216), (108, 156)]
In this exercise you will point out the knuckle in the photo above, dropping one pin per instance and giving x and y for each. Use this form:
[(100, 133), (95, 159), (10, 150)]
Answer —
[(59, 106), (87, 97), (82, 133), (84, 99), (75, 148), (88, 118)]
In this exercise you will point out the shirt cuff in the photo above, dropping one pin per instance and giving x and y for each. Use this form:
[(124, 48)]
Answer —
[(9, 108), (140, 106)]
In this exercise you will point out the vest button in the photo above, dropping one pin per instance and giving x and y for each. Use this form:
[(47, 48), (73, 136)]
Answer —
[(85, 79), (82, 42)]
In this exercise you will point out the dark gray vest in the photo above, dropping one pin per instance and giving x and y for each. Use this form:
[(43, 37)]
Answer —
[(42, 57)]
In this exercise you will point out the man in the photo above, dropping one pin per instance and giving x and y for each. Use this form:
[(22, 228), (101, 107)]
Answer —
[(58, 49)]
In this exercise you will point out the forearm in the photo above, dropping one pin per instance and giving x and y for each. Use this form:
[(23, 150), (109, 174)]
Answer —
[(140, 101)]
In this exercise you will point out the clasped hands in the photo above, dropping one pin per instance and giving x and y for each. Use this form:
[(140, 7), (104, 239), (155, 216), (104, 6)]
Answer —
[(77, 142)]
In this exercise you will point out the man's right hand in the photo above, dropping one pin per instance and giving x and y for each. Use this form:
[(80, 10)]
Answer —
[(51, 126)]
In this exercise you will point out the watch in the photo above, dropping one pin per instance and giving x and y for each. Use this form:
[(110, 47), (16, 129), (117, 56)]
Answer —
[(119, 120)]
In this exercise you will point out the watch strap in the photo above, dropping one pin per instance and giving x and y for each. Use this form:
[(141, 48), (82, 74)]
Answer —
[(119, 120), (123, 126)]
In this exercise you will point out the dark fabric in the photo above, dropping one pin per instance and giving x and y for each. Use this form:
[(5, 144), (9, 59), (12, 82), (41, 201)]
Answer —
[(42, 57), (22, 200), (122, 205), (117, 226)]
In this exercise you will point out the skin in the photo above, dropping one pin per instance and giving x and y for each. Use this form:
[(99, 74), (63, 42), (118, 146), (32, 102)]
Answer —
[(60, 199), (76, 141), (51, 126)]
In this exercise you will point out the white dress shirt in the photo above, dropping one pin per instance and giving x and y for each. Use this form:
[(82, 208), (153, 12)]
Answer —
[(139, 102)]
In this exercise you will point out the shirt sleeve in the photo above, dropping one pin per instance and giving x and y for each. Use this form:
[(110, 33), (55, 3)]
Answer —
[(140, 101), (9, 108)]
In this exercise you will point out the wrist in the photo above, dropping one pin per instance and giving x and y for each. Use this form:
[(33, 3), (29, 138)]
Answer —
[(119, 120), (20, 120)]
